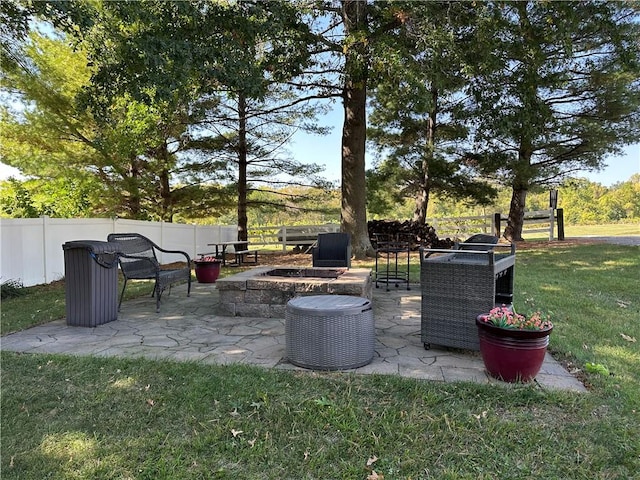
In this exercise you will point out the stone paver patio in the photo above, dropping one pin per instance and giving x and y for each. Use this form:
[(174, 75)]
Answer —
[(189, 329)]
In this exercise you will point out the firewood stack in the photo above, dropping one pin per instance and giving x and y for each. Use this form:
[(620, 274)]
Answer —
[(423, 235)]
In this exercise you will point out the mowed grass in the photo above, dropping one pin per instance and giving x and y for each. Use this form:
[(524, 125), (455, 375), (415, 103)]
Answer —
[(78, 418), (614, 229), (43, 303), (593, 295)]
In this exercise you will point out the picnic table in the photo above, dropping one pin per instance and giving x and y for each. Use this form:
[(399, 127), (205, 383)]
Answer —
[(241, 252)]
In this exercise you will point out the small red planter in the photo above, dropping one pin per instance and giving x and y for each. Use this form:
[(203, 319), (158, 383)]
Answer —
[(207, 271), (512, 355)]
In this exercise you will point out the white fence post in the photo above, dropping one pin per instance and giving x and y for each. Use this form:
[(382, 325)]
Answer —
[(195, 240), (45, 266)]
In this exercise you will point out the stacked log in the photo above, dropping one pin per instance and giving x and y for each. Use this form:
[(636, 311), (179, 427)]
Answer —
[(422, 235)]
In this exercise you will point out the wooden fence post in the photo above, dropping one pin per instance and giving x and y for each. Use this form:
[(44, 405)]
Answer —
[(284, 238), (560, 218), (496, 224)]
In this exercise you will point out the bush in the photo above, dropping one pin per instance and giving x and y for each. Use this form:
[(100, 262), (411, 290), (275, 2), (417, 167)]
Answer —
[(11, 288)]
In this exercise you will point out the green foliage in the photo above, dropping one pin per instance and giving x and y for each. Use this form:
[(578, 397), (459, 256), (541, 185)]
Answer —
[(558, 93), (417, 122), (586, 202), (60, 197), (11, 288), (157, 119), (290, 206), (43, 133), (60, 144), (142, 99), (16, 200), (596, 368)]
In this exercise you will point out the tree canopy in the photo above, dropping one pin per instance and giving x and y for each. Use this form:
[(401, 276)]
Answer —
[(180, 109), (560, 91), (418, 120)]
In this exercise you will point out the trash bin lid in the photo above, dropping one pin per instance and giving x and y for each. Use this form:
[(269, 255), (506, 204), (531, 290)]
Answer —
[(322, 305), (94, 246)]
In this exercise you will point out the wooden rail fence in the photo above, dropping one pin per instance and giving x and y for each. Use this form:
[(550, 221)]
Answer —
[(304, 236)]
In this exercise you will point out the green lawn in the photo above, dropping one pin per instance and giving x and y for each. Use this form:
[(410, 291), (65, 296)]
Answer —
[(615, 229), (97, 418)]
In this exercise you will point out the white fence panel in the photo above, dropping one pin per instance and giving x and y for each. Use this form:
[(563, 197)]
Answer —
[(22, 244), (213, 234), (58, 231), (31, 248)]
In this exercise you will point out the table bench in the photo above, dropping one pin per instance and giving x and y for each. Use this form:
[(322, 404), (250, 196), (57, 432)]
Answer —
[(241, 257), (240, 251), (304, 237)]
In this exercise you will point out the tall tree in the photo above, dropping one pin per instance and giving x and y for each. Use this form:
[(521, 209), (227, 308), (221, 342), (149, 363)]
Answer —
[(128, 153), (157, 68), (241, 141), (346, 37), (211, 53), (417, 118), (44, 135), (354, 209), (561, 92)]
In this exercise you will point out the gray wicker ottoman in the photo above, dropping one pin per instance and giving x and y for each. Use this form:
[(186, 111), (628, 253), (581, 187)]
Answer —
[(329, 332)]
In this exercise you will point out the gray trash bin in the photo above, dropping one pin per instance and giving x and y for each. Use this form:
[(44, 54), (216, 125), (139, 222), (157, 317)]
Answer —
[(91, 282)]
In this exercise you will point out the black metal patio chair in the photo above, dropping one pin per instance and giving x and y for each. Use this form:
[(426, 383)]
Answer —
[(138, 261)]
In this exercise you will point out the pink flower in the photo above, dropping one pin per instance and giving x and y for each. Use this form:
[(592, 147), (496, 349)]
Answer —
[(506, 317)]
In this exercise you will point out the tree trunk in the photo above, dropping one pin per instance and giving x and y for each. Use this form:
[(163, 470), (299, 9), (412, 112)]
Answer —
[(354, 132), (520, 187), (134, 205), (421, 203), (165, 187), (422, 197), (242, 168), (165, 193), (515, 220)]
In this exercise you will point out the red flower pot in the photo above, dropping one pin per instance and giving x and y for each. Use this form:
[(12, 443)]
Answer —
[(512, 355), (207, 271)]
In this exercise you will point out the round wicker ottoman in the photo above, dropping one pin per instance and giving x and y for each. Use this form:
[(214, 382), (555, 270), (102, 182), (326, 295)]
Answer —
[(329, 332)]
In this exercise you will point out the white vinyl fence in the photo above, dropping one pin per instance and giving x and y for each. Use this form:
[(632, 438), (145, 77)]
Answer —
[(31, 248)]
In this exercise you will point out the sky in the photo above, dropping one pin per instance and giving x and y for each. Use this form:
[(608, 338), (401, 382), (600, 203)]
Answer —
[(325, 150)]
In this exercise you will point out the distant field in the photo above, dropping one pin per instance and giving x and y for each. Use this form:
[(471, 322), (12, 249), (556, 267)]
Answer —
[(606, 230), (614, 229)]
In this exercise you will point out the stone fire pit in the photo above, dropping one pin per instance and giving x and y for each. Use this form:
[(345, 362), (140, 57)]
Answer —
[(265, 291)]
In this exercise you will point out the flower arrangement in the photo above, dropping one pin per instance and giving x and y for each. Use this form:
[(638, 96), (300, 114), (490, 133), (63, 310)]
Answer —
[(207, 268), (505, 317), (207, 258)]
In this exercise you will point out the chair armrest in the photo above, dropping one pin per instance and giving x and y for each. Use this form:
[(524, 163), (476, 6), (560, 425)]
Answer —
[(426, 252), (180, 252)]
